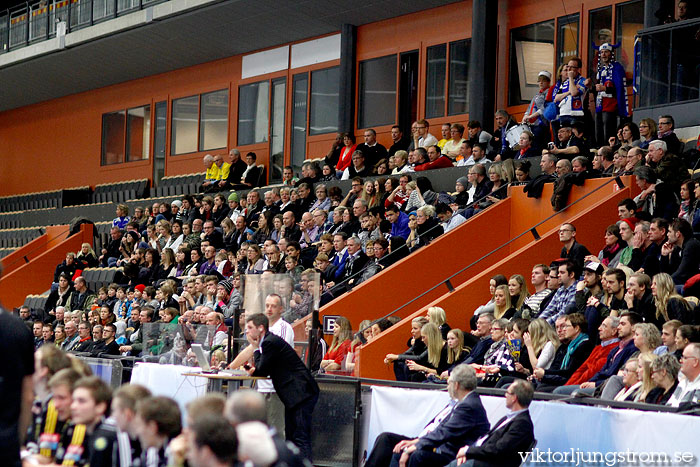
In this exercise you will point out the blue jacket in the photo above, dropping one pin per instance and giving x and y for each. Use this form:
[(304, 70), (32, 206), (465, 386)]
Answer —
[(614, 363), (400, 227), (466, 424)]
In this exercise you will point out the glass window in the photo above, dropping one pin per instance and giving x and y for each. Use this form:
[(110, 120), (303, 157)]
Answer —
[(253, 113), (531, 51), (435, 81), (138, 133), (279, 99), (323, 117), (160, 119), (459, 79), (567, 38), (300, 84), (185, 116), (377, 92), (599, 32), (213, 127), (629, 20), (113, 137)]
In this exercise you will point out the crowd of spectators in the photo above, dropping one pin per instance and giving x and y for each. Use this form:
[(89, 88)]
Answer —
[(77, 419)]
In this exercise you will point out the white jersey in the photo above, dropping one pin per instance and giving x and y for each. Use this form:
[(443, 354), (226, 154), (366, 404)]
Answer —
[(283, 330)]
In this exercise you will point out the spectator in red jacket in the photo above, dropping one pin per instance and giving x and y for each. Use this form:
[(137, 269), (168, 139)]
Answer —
[(436, 160), (608, 337)]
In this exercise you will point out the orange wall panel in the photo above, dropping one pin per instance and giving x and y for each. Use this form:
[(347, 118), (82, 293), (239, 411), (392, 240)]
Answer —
[(36, 276)]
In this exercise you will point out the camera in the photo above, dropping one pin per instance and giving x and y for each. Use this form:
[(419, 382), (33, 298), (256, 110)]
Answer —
[(550, 145)]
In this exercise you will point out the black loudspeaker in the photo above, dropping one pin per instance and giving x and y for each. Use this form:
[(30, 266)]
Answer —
[(76, 222)]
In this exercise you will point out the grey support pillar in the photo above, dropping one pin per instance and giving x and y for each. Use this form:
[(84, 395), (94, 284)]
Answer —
[(346, 85), (482, 62)]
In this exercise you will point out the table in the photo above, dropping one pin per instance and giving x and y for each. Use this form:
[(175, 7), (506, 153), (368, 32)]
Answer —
[(168, 380), (215, 381)]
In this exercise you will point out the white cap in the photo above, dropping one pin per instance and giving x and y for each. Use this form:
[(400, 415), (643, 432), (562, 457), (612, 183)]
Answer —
[(546, 74)]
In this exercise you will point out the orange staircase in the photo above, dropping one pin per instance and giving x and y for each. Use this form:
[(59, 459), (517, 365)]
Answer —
[(29, 269), (591, 216)]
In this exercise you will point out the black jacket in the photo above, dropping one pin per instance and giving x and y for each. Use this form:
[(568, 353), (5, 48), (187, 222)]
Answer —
[(290, 377), (504, 443)]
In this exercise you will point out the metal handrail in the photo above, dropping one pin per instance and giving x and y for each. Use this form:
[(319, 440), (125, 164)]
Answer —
[(532, 230), (470, 205), (24, 258), (20, 19)]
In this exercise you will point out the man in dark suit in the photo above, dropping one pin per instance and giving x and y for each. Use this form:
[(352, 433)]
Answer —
[(438, 443), (510, 436), (292, 380), (250, 175), (235, 174), (357, 260)]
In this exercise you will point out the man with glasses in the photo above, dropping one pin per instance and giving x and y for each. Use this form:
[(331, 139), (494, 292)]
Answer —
[(510, 436), (667, 134), (571, 249), (455, 426), (688, 390), (421, 135), (571, 96), (668, 166)]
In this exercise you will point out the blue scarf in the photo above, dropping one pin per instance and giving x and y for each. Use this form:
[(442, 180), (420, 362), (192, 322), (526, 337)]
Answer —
[(580, 339)]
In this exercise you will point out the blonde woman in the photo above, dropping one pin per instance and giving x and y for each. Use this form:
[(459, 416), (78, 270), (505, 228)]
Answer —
[(340, 345), (502, 308), (542, 343), (357, 343), (456, 351), (644, 362), (437, 316), (517, 289), (669, 303), (416, 347), (646, 337), (434, 360)]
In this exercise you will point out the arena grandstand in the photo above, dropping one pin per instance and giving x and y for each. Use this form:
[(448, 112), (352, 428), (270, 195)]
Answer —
[(501, 220)]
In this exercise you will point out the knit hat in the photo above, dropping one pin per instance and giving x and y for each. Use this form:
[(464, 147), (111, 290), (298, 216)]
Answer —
[(228, 285), (233, 196), (177, 203), (140, 287), (630, 221), (464, 181)]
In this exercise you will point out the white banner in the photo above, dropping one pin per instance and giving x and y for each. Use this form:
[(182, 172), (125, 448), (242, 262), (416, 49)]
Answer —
[(566, 434)]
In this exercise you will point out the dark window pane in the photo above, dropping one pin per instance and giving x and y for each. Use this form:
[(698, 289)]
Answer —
[(138, 133), (655, 69), (599, 32), (213, 129), (531, 51), (277, 119), (435, 81), (377, 92), (324, 101), (299, 106), (630, 19), (160, 117), (459, 79), (113, 137), (253, 113), (185, 116), (567, 38)]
